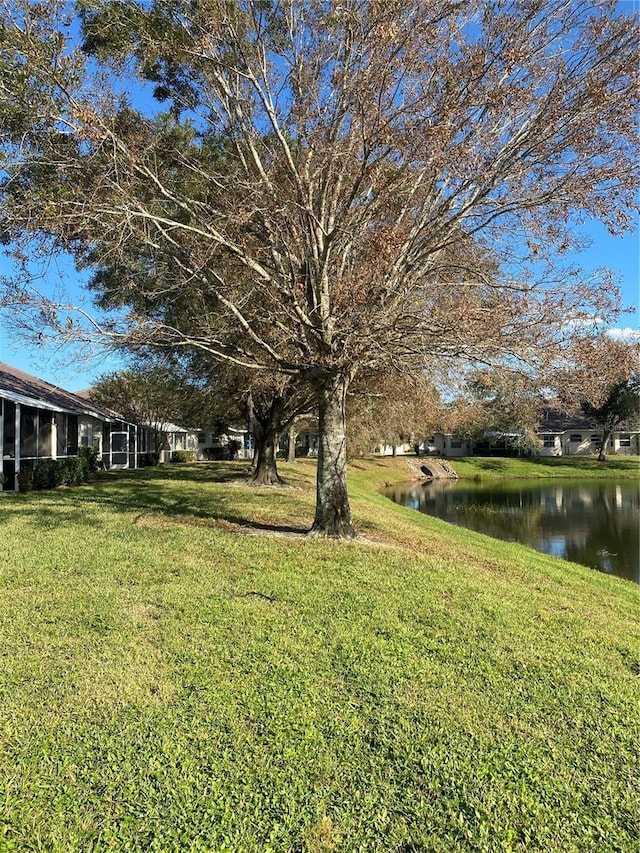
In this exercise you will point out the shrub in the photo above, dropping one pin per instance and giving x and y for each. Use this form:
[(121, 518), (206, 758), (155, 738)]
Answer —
[(51, 473), (48, 474), (214, 454), (89, 457), (148, 460), (74, 471), (183, 456), (233, 447), (25, 478)]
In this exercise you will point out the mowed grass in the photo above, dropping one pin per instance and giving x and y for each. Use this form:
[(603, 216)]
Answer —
[(585, 467), (182, 670)]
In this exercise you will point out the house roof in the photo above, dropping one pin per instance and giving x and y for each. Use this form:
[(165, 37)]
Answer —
[(557, 421), (23, 388)]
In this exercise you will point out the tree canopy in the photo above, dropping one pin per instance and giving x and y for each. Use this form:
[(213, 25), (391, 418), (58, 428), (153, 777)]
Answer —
[(601, 376), (156, 393), (620, 406), (321, 188)]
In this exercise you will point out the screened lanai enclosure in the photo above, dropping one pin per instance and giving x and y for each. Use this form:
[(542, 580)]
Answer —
[(40, 421)]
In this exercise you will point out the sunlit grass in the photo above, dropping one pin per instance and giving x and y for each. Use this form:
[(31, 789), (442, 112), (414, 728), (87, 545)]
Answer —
[(547, 466), (181, 669)]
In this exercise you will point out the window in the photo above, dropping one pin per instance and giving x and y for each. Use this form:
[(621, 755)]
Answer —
[(72, 435), (28, 432), (596, 439), (455, 444), (90, 433), (576, 437), (548, 441), (45, 434), (625, 439), (202, 438)]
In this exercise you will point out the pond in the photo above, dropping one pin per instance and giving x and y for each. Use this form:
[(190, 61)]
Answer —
[(594, 522)]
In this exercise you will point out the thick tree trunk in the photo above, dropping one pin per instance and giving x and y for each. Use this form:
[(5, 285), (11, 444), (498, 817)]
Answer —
[(264, 470), (291, 450), (606, 435), (263, 422), (333, 513)]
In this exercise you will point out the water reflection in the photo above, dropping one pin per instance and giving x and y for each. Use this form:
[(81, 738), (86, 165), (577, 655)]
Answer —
[(596, 523)]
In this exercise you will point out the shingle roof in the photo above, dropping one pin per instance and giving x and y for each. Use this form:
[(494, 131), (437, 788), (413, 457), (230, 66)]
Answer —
[(33, 391), (554, 420)]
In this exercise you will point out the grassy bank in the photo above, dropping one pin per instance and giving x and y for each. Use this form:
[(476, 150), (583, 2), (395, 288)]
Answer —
[(181, 670), (584, 467)]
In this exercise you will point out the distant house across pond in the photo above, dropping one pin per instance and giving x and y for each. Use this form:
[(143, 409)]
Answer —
[(42, 421), (559, 434), (570, 435)]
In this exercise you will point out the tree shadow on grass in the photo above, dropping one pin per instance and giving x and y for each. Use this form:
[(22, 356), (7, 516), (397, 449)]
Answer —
[(489, 464), (148, 492), (54, 514)]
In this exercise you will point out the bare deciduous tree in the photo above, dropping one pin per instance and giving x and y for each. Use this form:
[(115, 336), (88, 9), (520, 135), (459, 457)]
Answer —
[(339, 186), (389, 409)]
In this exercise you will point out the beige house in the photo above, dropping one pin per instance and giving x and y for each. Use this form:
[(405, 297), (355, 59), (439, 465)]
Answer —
[(559, 435), (569, 435)]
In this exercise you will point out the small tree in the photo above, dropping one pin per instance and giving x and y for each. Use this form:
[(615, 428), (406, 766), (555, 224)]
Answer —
[(600, 376), (503, 404), (273, 403), (621, 406), (390, 407), (268, 403), (154, 395)]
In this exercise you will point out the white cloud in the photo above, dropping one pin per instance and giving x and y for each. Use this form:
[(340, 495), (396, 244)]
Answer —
[(629, 335)]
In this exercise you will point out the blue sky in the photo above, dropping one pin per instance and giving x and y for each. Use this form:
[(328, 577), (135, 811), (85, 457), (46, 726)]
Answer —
[(67, 369)]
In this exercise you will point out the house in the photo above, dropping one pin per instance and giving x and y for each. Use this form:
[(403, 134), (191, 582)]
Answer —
[(568, 435), (235, 441), (167, 439), (559, 434), (447, 444), (43, 421)]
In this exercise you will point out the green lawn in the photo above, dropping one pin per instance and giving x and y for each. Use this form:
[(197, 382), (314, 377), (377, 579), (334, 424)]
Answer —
[(181, 670), (546, 466)]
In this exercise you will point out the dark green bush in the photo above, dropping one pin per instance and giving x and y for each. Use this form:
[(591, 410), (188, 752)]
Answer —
[(233, 447), (183, 456), (89, 457), (25, 477), (215, 454), (48, 474), (51, 473), (75, 471), (148, 460)]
